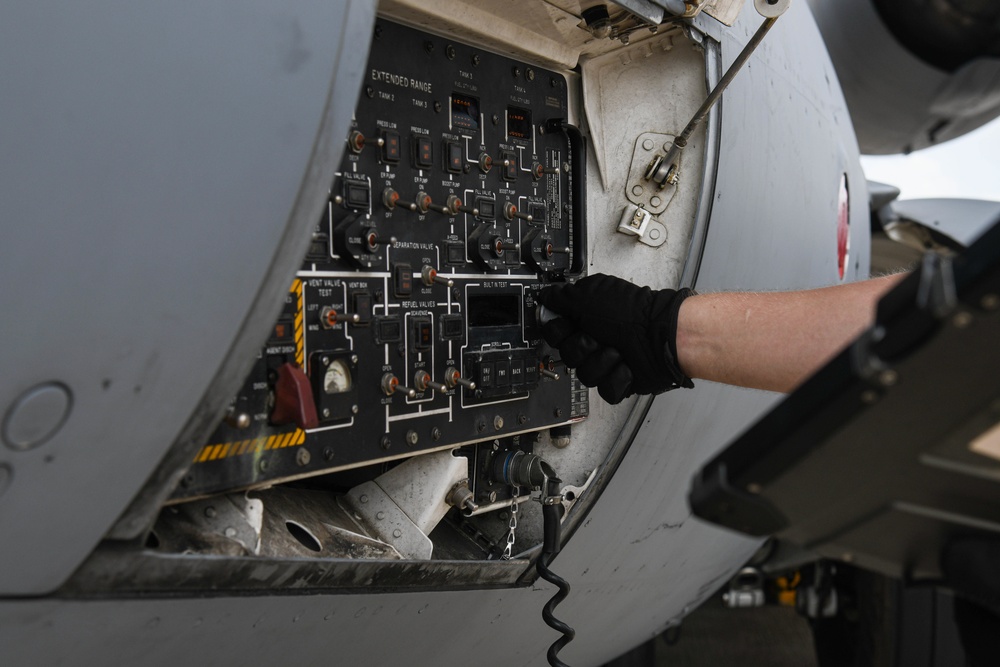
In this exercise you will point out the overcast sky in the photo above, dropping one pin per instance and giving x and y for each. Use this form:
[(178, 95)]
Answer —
[(967, 167)]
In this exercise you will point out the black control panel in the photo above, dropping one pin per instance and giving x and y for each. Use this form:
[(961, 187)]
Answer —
[(411, 325)]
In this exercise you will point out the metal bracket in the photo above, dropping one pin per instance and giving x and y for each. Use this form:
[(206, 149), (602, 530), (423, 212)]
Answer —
[(637, 221), (571, 494), (385, 520), (638, 189)]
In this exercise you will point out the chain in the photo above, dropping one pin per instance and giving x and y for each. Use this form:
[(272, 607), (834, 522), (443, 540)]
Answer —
[(513, 525)]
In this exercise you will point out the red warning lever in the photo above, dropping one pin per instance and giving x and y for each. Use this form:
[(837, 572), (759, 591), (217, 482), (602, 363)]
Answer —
[(293, 398)]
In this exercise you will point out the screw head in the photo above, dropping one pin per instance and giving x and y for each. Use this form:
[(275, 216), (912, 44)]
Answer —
[(302, 457), (516, 71), (429, 46), (437, 107), (529, 74), (386, 443), (369, 91), (354, 409), (328, 453), (262, 465), (481, 426), (210, 512), (412, 438), (888, 377), (435, 433), (497, 422), (475, 59), (326, 412), (449, 51)]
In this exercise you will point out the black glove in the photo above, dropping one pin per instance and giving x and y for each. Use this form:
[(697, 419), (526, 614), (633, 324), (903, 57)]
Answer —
[(620, 337)]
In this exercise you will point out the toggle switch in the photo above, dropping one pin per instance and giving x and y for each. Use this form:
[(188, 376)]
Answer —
[(430, 276), (547, 367), (329, 318), (422, 381), (485, 163), (390, 385), (510, 212), (453, 378), (452, 207), (356, 141)]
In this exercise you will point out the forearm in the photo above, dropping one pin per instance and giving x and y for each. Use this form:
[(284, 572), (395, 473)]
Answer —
[(774, 340)]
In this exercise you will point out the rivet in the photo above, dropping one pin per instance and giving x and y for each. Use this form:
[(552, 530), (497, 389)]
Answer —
[(363, 498), (888, 377), (302, 457), (637, 190), (210, 512), (397, 533), (380, 515), (647, 145), (230, 532), (655, 201)]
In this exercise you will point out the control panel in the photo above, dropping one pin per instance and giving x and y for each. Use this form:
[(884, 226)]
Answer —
[(411, 325)]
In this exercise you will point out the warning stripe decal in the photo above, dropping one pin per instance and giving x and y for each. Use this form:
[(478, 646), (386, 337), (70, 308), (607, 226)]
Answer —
[(225, 450), (299, 328)]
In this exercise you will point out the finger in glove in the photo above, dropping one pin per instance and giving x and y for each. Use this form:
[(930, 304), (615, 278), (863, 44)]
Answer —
[(592, 370), (555, 331), (576, 347), (616, 386)]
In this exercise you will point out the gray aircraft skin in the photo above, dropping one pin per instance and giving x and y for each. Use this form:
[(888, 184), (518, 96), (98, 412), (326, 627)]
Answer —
[(162, 168)]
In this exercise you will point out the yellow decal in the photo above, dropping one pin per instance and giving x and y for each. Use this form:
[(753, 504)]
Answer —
[(226, 450)]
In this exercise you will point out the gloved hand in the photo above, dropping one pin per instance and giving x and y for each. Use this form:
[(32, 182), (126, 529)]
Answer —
[(620, 337)]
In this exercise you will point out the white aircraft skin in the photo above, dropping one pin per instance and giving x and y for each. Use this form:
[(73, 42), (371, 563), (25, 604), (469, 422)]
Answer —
[(637, 561)]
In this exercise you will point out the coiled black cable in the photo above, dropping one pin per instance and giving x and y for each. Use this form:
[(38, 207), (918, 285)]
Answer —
[(550, 547), (550, 620)]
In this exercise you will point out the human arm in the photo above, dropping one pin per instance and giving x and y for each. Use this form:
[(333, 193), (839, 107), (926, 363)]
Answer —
[(773, 340), (626, 339)]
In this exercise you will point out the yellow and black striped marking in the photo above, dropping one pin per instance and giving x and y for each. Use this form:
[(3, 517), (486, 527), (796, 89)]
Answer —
[(299, 324), (227, 450)]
